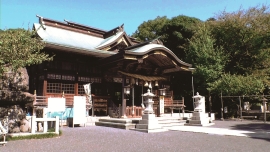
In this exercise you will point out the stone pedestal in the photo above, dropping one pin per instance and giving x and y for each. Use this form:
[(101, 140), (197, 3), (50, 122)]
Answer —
[(199, 117), (149, 123)]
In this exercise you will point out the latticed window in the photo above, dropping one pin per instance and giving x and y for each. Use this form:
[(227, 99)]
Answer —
[(60, 87), (81, 90), (68, 88), (54, 87)]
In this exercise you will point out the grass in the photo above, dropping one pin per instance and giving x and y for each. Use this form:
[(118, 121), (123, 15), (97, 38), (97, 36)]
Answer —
[(50, 134)]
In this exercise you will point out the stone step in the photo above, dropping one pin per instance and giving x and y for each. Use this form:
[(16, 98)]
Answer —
[(150, 130), (126, 126), (117, 120), (172, 124)]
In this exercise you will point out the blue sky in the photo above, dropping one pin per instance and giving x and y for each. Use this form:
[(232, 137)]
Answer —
[(108, 14)]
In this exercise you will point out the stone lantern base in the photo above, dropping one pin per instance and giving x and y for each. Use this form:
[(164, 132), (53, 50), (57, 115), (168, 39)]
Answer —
[(199, 119), (148, 124)]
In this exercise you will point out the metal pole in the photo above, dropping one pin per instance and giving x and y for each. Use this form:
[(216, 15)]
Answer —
[(142, 94), (264, 111), (264, 108), (192, 89), (221, 107), (240, 106), (123, 100), (132, 101)]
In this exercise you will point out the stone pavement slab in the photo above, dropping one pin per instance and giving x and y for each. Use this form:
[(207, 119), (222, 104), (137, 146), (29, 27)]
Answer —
[(245, 128)]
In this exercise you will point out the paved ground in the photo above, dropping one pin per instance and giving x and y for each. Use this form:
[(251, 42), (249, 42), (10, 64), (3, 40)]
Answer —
[(244, 128), (103, 139)]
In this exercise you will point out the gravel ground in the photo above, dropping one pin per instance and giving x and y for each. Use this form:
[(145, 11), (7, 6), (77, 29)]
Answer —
[(103, 139)]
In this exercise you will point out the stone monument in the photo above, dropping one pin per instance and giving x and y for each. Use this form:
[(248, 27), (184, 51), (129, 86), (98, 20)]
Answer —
[(199, 117), (149, 123)]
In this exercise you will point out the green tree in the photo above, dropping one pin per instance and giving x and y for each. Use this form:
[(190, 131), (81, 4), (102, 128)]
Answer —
[(208, 60), (20, 48), (177, 33), (174, 33), (151, 29), (244, 37), (238, 85)]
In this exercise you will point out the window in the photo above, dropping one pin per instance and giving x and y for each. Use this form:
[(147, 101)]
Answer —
[(81, 90), (54, 87), (60, 87), (68, 88)]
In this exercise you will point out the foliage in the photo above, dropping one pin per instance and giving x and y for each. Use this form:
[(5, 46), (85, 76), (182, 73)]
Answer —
[(238, 85), (208, 60), (150, 29), (20, 48), (244, 36), (173, 32), (177, 32)]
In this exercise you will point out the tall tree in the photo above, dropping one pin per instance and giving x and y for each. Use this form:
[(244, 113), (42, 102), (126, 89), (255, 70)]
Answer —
[(174, 32), (244, 37), (177, 32), (208, 60), (20, 48), (150, 29)]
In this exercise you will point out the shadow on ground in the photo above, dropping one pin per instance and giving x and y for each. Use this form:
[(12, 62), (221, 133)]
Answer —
[(261, 130)]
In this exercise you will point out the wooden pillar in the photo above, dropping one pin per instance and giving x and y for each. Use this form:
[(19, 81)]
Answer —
[(76, 87), (44, 88)]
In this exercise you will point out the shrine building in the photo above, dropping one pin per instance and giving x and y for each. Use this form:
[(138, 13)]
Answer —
[(111, 61)]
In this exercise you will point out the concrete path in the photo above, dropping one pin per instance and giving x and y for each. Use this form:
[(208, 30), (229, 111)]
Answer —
[(245, 128)]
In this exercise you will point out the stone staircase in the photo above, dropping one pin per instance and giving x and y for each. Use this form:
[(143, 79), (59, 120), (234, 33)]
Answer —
[(167, 122), (117, 123), (130, 123)]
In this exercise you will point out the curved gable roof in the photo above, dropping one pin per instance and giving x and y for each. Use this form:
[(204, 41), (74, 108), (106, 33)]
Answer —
[(108, 41), (146, 49)]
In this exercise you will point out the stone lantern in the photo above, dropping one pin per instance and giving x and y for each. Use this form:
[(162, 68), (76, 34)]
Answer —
[(199, 103), (148, 101)]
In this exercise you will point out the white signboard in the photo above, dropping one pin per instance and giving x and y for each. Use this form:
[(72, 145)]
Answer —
[(79, 110), (56, 104)]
